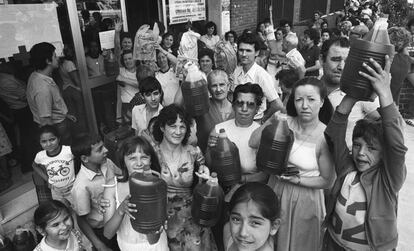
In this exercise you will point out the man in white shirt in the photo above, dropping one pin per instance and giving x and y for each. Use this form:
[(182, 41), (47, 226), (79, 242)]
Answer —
[(333, 55), (249, 71)]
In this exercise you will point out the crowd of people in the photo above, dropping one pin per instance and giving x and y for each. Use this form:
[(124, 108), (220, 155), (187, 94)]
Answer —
[(348, 154)]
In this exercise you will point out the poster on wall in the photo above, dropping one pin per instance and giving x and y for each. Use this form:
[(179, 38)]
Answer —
[(28, 24), (225, 16), (183, 10)]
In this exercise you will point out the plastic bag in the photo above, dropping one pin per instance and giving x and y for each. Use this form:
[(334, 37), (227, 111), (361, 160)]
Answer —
[(188, 45), (225, 57), (145, 43)]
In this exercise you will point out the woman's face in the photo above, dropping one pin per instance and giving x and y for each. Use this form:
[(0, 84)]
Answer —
[(279, 35), (175, 133), (307, 102), (230, 38), (126, 43), (325, 36), (206, 64), (129, 61), (210, 30), (168, 41), (152, 99), (249, 229), (162, 60), (137, 161), (59, 228), (287, 28), (262, 28)]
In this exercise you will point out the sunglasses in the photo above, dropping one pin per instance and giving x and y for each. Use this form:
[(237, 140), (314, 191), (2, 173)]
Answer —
[(240, 104)]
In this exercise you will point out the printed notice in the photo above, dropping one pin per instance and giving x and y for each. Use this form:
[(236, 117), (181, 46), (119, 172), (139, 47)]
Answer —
[(182, 11)]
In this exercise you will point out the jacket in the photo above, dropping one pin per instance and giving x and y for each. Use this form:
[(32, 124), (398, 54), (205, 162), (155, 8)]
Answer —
[(380, 183)]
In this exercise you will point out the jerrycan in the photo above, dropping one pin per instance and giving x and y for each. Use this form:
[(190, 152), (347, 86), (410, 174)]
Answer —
[(207, 203), (225, 161), (149, 194), (275, 145), (375, 44), (195, 92), (23, 240)]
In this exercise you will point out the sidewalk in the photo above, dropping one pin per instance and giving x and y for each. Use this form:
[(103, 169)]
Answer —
[(406, 198)]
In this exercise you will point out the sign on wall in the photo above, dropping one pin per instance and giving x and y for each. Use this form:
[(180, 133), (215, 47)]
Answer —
[(28, 24), (183, 10)]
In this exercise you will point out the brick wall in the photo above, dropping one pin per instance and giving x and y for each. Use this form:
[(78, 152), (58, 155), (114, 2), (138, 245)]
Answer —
[(407, 95), (243, 15)]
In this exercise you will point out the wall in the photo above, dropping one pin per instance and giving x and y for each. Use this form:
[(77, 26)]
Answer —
[(407, 95), (243, 15)]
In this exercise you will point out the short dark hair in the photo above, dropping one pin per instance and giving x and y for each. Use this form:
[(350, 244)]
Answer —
[(128, 147), (249, 38), (287, 77), (150, 84), (206, 52), (124, 52), (209, 25), (341, 42), (313, 35), (326, 111), (49, 129), (232, 32), (144, 71), (283, 22), (40, 53), (48, 211), (168, 116), (82, 145), (249, 88), (369, 130)]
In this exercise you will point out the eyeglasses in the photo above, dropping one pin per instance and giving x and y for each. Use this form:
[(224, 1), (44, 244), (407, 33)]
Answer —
[(240, 104)]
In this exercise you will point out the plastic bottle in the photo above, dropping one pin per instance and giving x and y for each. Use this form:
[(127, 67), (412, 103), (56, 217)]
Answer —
[(195, 92), (275, 145), (207, 202), (23, 240), (375, 44), (225, 161), (149, 193)]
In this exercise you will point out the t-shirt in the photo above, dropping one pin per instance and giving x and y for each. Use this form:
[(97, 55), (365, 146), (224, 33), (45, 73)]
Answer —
[(44, 98), (127, 91), (95, 66), (65, 68), (87, 191), (74, 243), (240, 137), (348, 223), (60, 168), (257, 75), (210, 41), (170, 85), (311, 55), (139, 117), (359, 111)]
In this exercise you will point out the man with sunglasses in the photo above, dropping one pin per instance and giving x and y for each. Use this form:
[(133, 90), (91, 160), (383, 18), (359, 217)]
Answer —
[(247, 99)]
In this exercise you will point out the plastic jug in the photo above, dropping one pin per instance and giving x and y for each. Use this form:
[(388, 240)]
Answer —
[(375, 44), (23, 240), (225, 161), (149, 193), (195, 92), (207, 202), (275, 145)]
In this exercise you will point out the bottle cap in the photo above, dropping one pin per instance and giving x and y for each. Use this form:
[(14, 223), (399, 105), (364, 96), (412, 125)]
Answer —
[(222, 133), (213, 179)]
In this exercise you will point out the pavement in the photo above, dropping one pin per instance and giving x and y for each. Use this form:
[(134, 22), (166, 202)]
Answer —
[(406, 198)]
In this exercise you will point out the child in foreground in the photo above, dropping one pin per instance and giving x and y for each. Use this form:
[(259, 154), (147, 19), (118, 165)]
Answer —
[(254, 219), (137, 155), (362, 206), (55, 164), (53, 220)]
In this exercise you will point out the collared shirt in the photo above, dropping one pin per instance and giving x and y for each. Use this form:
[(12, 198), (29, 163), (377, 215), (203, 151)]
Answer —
[(44, 98), (87, 191), (257, 75), (139, 117)]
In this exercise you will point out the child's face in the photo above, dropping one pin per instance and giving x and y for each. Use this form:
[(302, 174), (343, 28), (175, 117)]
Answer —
[(59, 228), (152, 99), (249, 229), (98, 154), (137, 161), (49, 142), (366, 155)]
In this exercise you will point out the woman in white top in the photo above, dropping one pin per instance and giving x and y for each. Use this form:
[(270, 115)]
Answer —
[(301, 195), (210, 38), (127, 82), (167, 78)]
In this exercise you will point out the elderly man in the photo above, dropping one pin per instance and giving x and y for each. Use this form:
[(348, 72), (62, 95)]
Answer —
[(220, 108)]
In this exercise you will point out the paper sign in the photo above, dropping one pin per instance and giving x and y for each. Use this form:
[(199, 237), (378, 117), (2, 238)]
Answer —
[(106, 39), (183, 10)]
